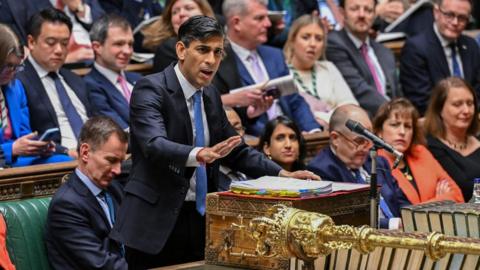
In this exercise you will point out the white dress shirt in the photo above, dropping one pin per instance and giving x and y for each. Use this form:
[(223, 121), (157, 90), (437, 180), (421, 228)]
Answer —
[(448, 51), (188, 91), (112, 76)]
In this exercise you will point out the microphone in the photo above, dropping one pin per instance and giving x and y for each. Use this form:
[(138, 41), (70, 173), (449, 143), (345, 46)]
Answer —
[(359, 129)]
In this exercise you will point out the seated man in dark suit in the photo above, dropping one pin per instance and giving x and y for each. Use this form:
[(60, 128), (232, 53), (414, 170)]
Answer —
[(110, 86), (179, 138), (367, 66), (248, 62), (347, 160), (56, 96), (82, 211), (439, 52)]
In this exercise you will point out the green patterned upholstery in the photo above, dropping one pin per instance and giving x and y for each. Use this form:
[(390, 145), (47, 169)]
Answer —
[(25, 221)]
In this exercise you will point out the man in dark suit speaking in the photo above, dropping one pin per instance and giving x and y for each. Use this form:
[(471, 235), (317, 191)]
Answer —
[(179, 137)]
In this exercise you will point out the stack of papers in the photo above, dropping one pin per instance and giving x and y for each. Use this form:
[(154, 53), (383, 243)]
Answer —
[(281, 187)]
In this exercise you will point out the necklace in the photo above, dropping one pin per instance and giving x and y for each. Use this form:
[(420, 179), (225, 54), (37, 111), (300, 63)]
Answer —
[(458, 146), (406, 172), (297, 78)]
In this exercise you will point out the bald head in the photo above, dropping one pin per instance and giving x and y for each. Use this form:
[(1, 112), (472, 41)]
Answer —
[(349, 111)]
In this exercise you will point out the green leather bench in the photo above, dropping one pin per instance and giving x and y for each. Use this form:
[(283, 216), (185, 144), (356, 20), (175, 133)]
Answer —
[(25, 221)]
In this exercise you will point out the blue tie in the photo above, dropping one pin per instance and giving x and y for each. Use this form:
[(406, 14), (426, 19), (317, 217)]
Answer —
[(201, 171), (107, 197), (457, 72), (73, 117), (358, 176)]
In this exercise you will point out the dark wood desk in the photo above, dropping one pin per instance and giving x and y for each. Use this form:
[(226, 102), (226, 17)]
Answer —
[(200, 265)]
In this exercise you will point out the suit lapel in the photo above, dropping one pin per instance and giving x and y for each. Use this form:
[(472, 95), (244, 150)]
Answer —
[(243, 72), (115, 94), (435, 51), (176, 92), (68, 77), (37, 89), (90, 199), (268, 62), (212, 117), (13, 108), (357, 57)]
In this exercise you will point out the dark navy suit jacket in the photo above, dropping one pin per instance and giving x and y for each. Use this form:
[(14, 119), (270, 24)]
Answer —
[(294, 106), (42, 113), (161, 141), (77, 229), (330, 167), (423, 63), (105, 97)]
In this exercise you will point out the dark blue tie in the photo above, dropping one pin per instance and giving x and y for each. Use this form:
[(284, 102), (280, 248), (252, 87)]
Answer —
[(457, 72), (201, 171), (358, 176), (73, 117)]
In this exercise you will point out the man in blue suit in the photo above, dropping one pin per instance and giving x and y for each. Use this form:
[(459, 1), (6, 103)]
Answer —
[(83, 210), (109, 85), (347, 160), (439, 52), (56, 96), (248, 62)]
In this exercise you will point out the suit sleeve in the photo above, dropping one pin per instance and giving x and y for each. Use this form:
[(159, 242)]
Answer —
[(101, 105), (244, 158), (366, 95), (74, 237), (301, 113), (414, 75), (148, 123)]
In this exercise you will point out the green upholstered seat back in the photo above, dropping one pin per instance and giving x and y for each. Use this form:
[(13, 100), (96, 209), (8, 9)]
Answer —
[(25, 221)]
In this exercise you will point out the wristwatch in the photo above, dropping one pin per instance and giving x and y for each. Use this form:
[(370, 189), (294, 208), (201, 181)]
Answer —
[(80, 8)]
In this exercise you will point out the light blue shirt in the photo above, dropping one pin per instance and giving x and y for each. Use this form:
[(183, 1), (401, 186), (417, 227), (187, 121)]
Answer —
[(96, 192)]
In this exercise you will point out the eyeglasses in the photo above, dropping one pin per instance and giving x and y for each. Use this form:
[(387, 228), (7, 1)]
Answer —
[(359, 141), (12, 67), (450, 16)]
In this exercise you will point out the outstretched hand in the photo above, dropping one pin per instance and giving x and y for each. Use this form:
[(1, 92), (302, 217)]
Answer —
[(220, 150), (306, 175)]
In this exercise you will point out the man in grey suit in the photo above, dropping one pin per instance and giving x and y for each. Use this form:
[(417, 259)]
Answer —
[(367, 66)]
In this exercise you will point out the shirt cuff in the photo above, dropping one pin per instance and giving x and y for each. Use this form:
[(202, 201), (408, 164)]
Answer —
[(192, 157), (315, 130), (394, 223)]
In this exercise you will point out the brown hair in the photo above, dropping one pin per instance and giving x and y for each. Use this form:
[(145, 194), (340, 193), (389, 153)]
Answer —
[(298, 24), (162, 29), (9, 44), (433, 120), (399, 107)]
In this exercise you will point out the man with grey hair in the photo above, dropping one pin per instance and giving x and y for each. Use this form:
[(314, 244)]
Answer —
[(249, 62), (439, 52), (347, 160), (83, 210), (110, 86)]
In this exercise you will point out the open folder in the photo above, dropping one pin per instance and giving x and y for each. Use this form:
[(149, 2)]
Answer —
[(277, 87)]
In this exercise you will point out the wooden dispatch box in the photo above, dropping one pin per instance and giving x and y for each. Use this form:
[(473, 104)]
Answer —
[(227, 208)]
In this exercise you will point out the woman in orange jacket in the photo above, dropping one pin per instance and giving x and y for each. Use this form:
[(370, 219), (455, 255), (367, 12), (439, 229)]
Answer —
[(419, 174)]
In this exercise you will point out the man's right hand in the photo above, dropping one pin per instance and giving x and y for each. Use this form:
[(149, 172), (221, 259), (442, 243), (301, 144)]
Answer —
[(220, 150)]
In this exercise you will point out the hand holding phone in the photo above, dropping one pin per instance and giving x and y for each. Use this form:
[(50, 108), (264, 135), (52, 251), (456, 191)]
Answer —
[(49, 134)]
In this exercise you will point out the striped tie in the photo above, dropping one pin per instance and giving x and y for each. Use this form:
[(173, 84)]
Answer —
[(7, 130)]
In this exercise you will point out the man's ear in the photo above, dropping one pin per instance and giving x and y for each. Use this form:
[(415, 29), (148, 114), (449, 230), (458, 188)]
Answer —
[(96, 46), (334, 139), (235, 23), (181, 50), (84, 152), (30, 42)]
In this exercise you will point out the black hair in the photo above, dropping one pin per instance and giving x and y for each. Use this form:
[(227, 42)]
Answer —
[(51, 15), (266, 137), (199, 27)]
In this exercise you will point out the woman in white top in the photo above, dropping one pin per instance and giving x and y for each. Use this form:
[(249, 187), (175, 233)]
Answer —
[(317, 79)]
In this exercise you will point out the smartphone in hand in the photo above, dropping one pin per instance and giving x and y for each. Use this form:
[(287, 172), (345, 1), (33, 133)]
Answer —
[(49, 134)]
